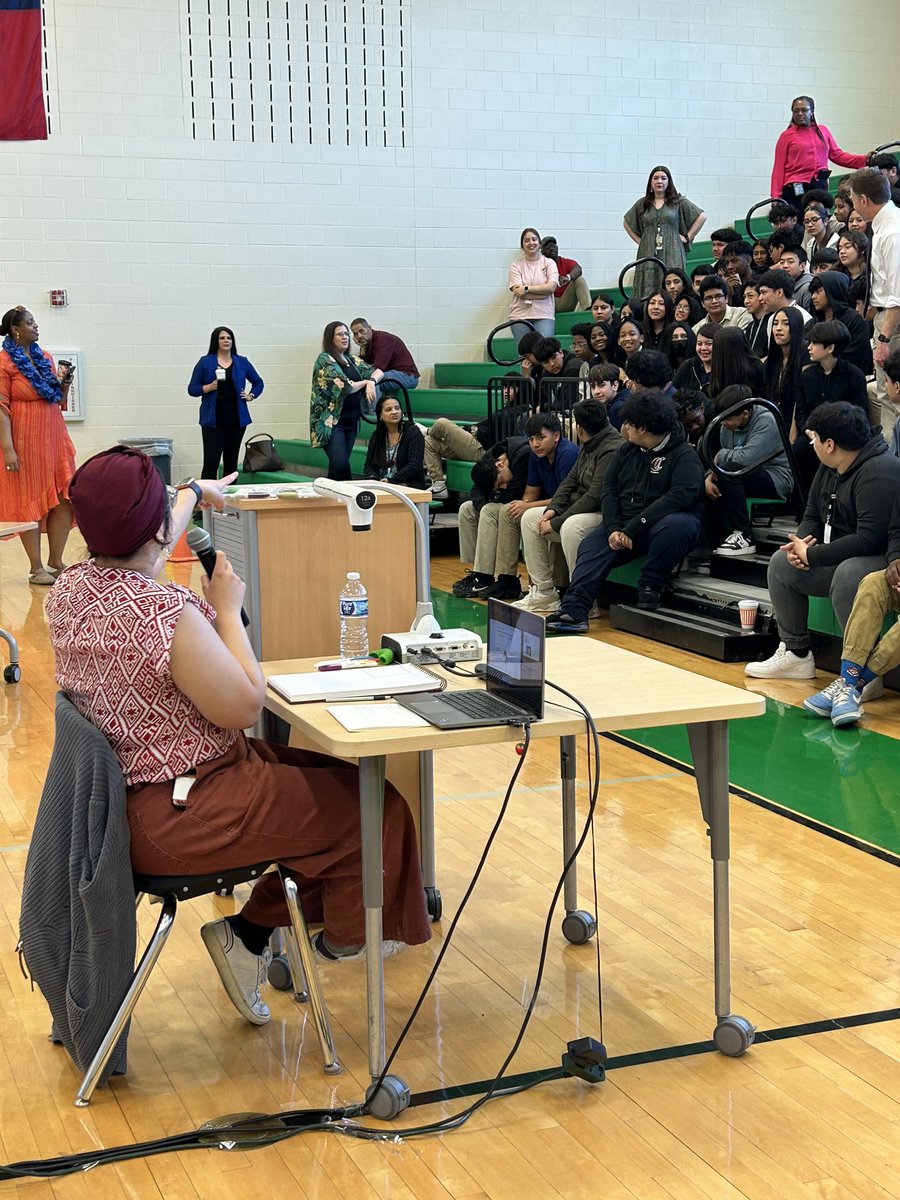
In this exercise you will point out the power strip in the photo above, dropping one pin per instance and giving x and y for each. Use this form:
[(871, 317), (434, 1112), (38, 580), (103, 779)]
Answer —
[(454, 645)]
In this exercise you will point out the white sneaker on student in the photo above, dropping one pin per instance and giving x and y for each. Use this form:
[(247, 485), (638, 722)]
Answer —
[(537, 601), (783, 664), (736, 545)]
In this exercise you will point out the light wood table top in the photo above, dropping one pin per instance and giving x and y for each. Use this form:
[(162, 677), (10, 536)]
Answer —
[(621, 690)]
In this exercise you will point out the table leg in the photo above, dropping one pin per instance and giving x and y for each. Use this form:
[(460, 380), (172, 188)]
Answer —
[(578, 926), (709, 750), (371, 819), (569, 815), (426, 834)]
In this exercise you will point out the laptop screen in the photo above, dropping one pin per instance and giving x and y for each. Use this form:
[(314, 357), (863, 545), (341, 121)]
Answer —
[(515, 656)]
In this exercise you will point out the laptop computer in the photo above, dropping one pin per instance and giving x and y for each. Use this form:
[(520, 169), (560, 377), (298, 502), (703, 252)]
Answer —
[(514, 677)]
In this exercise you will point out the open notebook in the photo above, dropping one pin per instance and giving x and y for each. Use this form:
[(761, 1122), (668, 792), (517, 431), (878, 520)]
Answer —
[(374, 683)]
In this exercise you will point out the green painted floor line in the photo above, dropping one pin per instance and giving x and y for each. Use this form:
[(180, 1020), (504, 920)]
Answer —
[(841, 780)]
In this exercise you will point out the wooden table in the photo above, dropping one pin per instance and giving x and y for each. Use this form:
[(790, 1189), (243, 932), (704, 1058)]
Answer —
[(621, 691)]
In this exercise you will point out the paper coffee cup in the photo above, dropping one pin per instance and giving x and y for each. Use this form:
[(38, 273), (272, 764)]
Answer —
[(220, 373), (748, 610)]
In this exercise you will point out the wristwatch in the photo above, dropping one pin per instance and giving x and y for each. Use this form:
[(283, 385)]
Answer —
[(194, 486), (882, 338)]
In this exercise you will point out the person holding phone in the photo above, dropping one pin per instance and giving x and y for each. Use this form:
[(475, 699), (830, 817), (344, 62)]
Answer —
[(38, 454), (225, 381)]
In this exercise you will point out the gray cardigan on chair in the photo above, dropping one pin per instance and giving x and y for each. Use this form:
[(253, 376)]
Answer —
[(77, 924)]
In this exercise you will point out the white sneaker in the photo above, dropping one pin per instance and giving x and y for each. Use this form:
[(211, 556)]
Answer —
[(783, 664), (439, 489), (736, 545), (537, 601), (241, 972), (874, 689)]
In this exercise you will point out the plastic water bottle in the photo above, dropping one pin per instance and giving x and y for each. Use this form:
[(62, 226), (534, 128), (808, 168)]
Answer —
[(354, 609)]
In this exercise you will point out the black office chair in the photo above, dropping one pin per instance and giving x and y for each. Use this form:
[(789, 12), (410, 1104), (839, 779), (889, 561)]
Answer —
[(79, 885)]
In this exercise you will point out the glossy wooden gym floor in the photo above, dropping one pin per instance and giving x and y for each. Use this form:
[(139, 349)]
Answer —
[(815, 929)]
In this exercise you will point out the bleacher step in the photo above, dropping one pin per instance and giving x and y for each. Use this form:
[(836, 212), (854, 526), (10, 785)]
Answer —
[(752, 568), (694, 632)]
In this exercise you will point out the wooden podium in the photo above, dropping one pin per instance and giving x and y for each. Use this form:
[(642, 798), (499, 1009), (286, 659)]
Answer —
[(294, 555)]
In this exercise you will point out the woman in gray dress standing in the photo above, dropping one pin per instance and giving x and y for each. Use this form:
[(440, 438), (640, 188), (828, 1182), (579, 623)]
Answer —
[(662, 224)]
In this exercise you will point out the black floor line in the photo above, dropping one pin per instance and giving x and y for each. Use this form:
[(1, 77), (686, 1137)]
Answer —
[(839, 835), (661, 1054)]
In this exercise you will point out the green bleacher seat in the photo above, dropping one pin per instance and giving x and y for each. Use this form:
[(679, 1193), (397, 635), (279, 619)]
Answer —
[(463, 375)]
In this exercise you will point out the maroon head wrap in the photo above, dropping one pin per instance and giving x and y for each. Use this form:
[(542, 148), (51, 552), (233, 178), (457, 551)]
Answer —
[(119, 501)]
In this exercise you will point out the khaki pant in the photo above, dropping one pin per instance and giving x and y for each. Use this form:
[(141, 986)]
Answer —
[(874, 600), (489, 539), (576, 295), (539, 556), (445, 439)]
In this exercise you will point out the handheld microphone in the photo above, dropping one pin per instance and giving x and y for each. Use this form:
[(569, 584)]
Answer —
[(201, 544)]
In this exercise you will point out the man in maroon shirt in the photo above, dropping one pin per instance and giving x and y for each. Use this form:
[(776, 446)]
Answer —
[(573, 289), (386, 352)]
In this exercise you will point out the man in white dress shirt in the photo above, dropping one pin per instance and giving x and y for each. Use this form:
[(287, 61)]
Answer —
[(870, 192)]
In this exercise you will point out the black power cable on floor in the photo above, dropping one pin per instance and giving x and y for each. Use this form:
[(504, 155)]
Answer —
[(247, 1131)]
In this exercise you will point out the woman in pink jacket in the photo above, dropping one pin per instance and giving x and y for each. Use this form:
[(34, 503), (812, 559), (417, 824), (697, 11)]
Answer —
[(802, 154)]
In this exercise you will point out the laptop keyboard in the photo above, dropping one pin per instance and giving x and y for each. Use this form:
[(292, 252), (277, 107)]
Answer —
[(480, 704)]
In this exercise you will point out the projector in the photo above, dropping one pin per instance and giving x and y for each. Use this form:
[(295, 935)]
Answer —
[(454, 645)]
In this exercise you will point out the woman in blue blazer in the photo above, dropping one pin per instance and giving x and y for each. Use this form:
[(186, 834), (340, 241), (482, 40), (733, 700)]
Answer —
[(224, 380)]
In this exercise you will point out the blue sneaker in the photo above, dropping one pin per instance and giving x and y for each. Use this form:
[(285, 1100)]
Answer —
[(821, 704), (562, 622), (846, 708)]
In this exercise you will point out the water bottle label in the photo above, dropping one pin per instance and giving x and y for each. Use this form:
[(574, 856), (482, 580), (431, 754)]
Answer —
[(355, 608)]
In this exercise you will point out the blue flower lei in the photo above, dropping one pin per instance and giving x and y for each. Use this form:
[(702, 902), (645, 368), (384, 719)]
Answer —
[(36, 368)]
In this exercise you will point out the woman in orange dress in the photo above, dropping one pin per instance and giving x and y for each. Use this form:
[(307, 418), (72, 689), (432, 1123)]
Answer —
[(37, 451)]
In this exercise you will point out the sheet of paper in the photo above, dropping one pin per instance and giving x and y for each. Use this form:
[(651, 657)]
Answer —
[(381, 715)]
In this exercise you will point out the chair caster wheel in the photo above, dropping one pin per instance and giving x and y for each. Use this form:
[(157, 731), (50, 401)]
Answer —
[(578, 927), (225, 891), (12, 673), (433, 903), (389, 1100), (279, 973), (734, 1036)]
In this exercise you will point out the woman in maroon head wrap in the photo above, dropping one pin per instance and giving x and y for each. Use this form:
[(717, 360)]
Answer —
[(172, 681)]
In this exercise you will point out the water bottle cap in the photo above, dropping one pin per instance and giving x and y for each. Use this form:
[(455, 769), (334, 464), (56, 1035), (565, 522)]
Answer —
[(353, 574)]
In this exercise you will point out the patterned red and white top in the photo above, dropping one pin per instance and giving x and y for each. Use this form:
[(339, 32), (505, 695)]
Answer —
[(112, 634)]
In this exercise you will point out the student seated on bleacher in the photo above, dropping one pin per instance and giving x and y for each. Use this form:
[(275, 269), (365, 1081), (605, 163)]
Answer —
[(866, 656), (572, 511), (695, 372), (695, 411), (748, 436), (498, 478), (489, 526), (396, 448), (829, 378), (652, 504), (605, 382), (468, 443), (714, 298), (830, 295), (646, 370), (555, 360), (843, 535)]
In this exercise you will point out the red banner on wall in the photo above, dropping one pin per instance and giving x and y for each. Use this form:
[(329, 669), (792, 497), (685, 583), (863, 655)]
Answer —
[(23, 117)]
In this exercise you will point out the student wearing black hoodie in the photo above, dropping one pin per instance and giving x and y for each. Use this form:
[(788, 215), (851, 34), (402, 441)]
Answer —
[(652, 504), (829, 293), (842, 537)]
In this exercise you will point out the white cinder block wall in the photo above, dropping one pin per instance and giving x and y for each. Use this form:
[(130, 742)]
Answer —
[(546, 113)]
